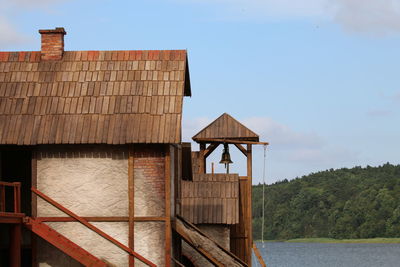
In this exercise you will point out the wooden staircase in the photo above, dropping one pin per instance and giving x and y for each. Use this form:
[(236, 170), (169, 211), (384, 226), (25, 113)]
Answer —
[(63, 243), (17, 219)]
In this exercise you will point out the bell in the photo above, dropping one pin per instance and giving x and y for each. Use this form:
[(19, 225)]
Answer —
[(226, 157)]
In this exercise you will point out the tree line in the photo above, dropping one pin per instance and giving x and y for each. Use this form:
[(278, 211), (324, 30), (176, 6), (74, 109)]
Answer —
[(343, 203)]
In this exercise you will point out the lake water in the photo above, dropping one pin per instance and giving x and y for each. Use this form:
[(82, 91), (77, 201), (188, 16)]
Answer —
[(278, 254)]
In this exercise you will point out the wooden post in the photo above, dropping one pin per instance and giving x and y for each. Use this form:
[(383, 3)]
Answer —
[(177, 241), (34, 207), (131, 192), (168, 231), (249, 198), (202, 159), (15, 245), (34, 183)]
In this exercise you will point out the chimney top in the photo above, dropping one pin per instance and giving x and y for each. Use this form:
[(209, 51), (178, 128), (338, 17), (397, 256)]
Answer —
[(56, 30), (52, 44)]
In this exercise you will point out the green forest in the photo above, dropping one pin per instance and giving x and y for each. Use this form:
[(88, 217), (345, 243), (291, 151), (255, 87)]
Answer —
[(342, 203)]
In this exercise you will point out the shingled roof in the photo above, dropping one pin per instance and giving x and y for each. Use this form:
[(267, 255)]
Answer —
[(92, 97), (226, 127)]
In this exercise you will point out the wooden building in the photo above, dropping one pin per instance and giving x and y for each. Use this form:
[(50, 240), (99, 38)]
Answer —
[(92, 168)]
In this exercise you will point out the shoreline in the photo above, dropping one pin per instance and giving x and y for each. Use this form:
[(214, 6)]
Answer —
[(377, 240)]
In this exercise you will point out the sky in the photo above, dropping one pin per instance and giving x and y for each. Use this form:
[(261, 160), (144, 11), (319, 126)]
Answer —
[(317, 79)]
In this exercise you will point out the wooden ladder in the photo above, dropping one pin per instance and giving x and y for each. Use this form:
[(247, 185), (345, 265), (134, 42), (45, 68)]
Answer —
[(63, 243)]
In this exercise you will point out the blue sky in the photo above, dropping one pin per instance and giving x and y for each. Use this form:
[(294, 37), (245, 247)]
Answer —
[(318, 79)]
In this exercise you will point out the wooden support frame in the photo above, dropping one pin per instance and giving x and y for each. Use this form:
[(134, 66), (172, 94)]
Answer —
[(241, 149), (210, 149), (230, 141)]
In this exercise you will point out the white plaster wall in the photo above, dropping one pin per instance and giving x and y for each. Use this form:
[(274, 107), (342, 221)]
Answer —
[(150, 242), (88, 240), (90, 183)]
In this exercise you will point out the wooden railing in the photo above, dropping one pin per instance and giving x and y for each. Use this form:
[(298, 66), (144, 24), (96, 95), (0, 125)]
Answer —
[(16, 193), (92, 227)]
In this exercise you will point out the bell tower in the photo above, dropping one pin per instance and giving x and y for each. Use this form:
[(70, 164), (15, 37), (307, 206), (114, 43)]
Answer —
[(227, 131)]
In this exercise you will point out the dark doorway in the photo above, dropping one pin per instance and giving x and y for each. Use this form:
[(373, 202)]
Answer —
[(16, 166)]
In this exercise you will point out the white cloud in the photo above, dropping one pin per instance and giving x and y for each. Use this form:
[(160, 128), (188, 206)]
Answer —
[(34, 3), (378, 17), (190, 127), (282, 135), (374, 16), (10, 35)]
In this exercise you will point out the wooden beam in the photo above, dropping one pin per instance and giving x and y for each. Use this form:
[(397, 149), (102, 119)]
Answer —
[(229, 141), (150, 219), (202, 159), (102, 219), (211, 250), (34, 206), (15, 245), (210, 149), (8, 217), (168, 231), (178, 263), (131, 192), (241, 149)]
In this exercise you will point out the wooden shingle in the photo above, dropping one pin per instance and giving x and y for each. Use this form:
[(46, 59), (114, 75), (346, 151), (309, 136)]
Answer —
[(92, 97)]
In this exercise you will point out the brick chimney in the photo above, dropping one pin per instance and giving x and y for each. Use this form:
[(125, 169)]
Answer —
[(52, 44)]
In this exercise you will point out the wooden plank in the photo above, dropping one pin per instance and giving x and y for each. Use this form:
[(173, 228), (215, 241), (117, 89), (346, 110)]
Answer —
[(131, 192), (229, 141), (168, 230), (103, 219), (206, 246), (201, 160)]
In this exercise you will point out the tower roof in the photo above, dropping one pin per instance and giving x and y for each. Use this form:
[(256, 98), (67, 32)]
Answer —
[(226, 127)]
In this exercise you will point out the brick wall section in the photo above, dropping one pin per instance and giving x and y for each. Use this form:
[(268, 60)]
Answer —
[(149, 184), (52, 44), (149, 165)]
